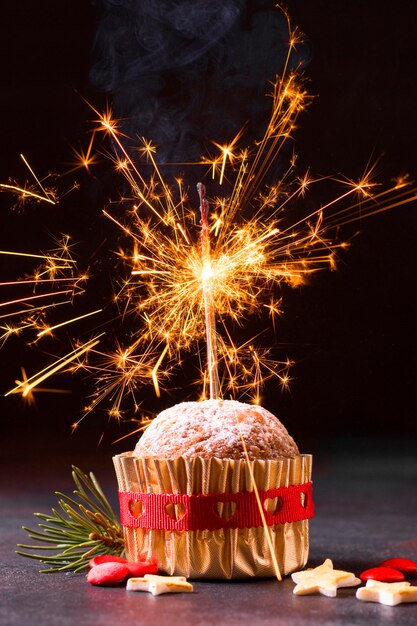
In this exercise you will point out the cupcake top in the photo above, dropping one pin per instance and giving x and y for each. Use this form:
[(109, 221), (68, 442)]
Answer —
[(214, 428)]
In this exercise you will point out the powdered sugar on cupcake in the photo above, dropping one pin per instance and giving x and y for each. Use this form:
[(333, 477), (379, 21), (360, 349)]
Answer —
[(213, 428)]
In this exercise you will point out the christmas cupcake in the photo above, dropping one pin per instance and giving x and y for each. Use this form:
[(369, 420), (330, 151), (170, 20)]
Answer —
[(216, 489)]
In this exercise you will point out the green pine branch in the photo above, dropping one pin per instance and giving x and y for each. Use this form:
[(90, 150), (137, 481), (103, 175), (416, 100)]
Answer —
[(84, 527)]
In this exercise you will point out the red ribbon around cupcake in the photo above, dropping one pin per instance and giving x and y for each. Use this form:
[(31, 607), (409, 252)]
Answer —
[(169, 511)]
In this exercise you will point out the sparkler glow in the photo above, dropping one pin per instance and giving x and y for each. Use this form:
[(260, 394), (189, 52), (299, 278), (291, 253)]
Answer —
[(54, 283), (36, 191), (191, 277)]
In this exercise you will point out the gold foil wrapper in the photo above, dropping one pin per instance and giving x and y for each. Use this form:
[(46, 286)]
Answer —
[(224, 553)]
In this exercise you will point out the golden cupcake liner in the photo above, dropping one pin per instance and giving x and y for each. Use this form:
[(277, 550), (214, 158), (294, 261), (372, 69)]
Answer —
[(224, 553)]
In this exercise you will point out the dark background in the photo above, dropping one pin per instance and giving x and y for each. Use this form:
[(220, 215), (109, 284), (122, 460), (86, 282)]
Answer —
[(352, 332)]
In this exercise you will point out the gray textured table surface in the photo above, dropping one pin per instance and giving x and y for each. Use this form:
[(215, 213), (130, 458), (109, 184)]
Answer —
[(366, 511)]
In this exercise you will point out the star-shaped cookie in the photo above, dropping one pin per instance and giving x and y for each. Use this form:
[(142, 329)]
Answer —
[(387, 593), (323, 579), (157, 585)]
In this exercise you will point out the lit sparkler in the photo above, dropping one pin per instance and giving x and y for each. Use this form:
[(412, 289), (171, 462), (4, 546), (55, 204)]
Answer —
[(191, 278), (194, 276)]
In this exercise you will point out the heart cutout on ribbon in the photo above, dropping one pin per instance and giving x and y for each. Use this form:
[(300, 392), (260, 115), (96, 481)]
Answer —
[(273, 505), (225, 510), (136, 508), (175, 511)]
